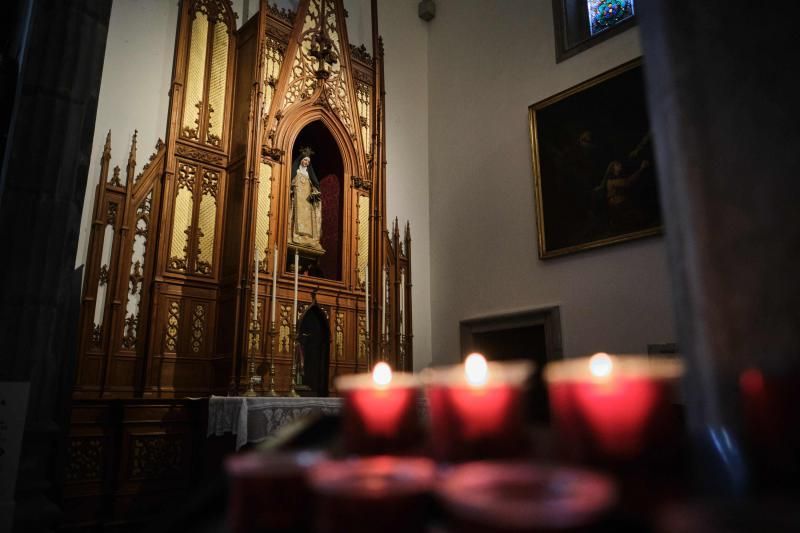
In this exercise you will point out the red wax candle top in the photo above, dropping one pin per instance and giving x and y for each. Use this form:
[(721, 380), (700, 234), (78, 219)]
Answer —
[(617, 397), (476, 409), (482, 410), (373, 478), (477, 373), (380, 400), (522, 496), (383, 410)]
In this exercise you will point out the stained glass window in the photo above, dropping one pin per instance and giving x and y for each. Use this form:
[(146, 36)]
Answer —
[(604, 14)]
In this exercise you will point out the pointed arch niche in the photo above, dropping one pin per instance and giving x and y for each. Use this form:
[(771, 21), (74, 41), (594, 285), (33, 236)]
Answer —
[(329, 167), (314, 340)]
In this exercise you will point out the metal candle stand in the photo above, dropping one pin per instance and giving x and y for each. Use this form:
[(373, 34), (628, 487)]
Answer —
[(293, 341), (251, 366), (272, 342)]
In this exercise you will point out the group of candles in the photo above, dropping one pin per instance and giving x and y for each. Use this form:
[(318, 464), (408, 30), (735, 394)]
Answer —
[(478, 460)]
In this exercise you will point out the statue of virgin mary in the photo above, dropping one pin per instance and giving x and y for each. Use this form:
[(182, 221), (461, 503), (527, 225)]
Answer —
[(305, 206)]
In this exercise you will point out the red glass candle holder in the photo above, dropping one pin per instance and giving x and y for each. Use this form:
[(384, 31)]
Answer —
[(472, 420), (772, 425), (378, 494), (380, 418), (521, 497), (269, 492), (614, 408)]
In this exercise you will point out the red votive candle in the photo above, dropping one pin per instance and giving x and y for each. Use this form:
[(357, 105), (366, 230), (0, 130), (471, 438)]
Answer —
[(379, 494), (772, 425), (521, 497), (269, 492), (477, 409), (380, 413), (612, 408)]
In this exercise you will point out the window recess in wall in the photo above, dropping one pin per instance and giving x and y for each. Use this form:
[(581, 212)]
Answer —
[(581, 24)]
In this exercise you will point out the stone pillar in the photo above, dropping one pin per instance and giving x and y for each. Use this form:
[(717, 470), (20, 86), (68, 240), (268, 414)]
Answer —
[(43, 180), (723, 86)]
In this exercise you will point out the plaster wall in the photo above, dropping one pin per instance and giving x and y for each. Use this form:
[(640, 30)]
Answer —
[(134, 91), (406, 51), (486, 65)]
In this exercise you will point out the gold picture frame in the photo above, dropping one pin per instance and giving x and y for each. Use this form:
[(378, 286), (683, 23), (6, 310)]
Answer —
[(593, 164)]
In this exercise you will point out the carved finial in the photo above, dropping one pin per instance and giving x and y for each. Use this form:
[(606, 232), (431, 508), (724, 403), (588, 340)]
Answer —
[(132, 158), (105, 158), (159, 144), (107, 147), (115, 181), (395, 227), (408, 230)]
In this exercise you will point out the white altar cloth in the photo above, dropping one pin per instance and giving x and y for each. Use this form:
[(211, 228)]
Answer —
[(253, 420)]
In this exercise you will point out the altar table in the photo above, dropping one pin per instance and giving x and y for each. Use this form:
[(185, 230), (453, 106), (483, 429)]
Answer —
[(253, 420)]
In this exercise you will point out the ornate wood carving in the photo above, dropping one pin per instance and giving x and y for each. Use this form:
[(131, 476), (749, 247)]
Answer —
[(364, 76), (157, 457), (115, 179), (171, 329), (362, 337), (85, 459), (360, 53), (365, 184), (159, 147), (198, 327), (136, 274), (286, 15), (285, 328), (200, 155), (111, 214), (339, 335)]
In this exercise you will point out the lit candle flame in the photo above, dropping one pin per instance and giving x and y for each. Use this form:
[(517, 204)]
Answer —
[(382, 374), (476, 369), (601, 365)]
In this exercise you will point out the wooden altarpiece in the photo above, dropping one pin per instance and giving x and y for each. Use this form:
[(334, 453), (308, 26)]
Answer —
[(167, 309), (168, 297)]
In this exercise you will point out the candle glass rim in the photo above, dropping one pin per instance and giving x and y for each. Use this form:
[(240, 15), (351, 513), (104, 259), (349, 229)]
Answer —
[(467, 492), (624, 365), (363, 380), (510, 372), (346, 476), (257, 463)]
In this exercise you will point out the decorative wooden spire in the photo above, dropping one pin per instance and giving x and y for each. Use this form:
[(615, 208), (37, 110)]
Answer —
[(132, 158), (107, 147), (105, 158)]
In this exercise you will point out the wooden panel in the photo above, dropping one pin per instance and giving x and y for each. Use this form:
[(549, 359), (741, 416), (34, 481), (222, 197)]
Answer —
[(130, 460), (89, 464)]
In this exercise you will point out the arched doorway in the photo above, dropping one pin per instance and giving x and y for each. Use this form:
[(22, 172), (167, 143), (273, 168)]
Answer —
[(327, 164), (314, 352)]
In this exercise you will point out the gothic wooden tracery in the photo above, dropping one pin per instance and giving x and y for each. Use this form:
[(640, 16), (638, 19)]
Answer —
[(168, 300)]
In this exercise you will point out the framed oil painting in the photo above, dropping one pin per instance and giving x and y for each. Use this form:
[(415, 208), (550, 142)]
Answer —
[(593, 164)]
